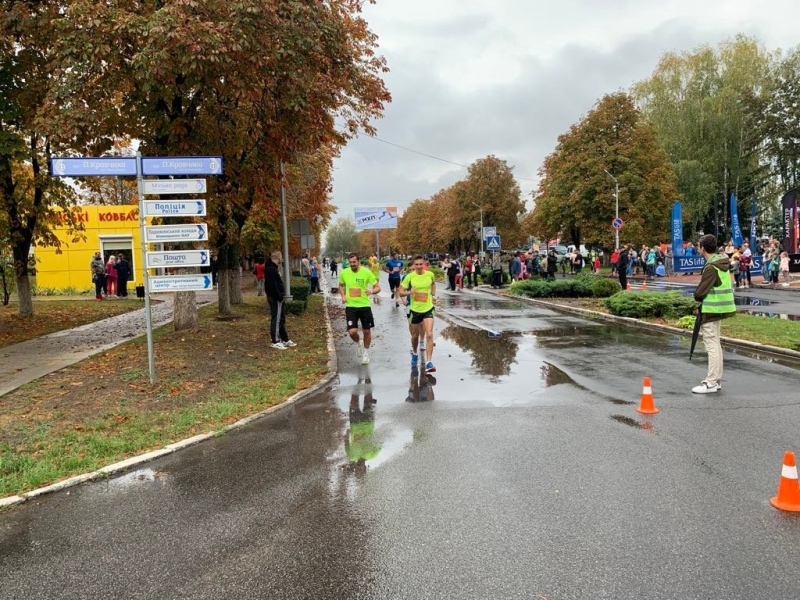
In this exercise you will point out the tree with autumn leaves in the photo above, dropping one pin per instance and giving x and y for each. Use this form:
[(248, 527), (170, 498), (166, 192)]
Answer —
[(448, 220), (575, 199), (263, 83)]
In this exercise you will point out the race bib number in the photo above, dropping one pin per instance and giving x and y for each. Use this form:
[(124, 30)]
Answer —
[(420, 297), (354, 292), (396, 270)]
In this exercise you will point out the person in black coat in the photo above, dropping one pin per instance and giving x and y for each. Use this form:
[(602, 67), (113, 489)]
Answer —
[(622, 266), (124, 275), (552, 264), (275, 291)]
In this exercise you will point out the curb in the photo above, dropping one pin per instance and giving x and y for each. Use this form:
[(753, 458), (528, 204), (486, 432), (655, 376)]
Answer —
[(133, 461), (654, 327)]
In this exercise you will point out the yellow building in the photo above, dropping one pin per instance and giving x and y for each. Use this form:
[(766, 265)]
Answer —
[(109, 230)]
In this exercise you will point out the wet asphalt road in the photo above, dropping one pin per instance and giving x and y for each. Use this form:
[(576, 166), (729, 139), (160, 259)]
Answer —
[(521, 471)]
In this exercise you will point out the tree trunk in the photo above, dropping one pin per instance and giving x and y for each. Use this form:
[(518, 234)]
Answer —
[(236, 286), (224, 290), (185, 311), (24, 295)]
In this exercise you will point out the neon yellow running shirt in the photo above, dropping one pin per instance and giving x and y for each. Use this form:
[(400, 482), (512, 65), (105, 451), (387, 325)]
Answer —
[(421, 299), (355, 285)]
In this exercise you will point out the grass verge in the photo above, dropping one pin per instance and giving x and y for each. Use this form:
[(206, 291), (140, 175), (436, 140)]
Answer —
[(104, 409), (50, 316), (773, 331)]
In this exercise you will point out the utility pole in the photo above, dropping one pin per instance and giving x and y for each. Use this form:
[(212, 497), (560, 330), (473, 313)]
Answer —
[(287, 270), (480, 236), (616, 207)]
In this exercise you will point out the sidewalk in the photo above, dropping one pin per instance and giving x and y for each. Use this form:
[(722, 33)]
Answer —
[(27, 361)]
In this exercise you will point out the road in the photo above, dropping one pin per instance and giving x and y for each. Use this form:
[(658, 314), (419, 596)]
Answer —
[(521, 471)]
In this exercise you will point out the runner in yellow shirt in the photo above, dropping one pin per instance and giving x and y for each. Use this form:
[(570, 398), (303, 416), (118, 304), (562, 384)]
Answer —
[(355, 290), (420, 285)]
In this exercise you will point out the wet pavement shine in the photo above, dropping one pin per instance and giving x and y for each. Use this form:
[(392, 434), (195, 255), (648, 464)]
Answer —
[(520, 469)]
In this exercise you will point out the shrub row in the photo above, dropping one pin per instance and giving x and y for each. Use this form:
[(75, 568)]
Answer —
[(650, 304), (580, 286)]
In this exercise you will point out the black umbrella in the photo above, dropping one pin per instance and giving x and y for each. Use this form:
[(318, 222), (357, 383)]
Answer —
[(697, 322)]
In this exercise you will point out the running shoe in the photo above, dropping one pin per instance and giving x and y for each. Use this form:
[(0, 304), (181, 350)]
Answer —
[(414, 359), (289, 344), (429, 368), (365, 358), (278, 346)]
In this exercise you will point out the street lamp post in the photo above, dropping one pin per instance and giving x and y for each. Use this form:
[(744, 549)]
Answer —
[(616, 207), (480, 236)]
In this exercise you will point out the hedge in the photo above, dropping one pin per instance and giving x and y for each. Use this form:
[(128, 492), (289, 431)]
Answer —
[(294, 307), (300, 288), (650, 304)]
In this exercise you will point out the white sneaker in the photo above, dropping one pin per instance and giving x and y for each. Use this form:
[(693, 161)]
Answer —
[(361, 347), (278, 346), (706, 388), (289, 344), (365, 358)]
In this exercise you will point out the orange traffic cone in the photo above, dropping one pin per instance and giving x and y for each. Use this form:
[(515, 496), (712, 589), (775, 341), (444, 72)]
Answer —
[(644, 285), (788, 497), (628, 286), (647, 407)]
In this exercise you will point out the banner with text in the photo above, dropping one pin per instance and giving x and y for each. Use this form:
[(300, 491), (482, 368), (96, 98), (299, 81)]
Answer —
[(376, 218), (695, 264), (753, 215), (677, 229), (789, 203), (736, 229)]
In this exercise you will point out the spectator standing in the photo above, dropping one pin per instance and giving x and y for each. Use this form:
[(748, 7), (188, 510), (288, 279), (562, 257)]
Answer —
[(334, 268), (469, 266), (124, 275), (305, 268), (745, 262), (446, 262), (623, 266), (784, 268), (98, 269), (315, 289), (736, 268), (577, 262), (552, 264), (515, 267), (111, 276), (258, 271), (275, 290), (614, 260), (497, 272)]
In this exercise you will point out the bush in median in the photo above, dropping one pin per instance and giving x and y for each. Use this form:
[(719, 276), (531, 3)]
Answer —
[(300, 289), (603, 288), (650, 304), (295, 307), (577, 287)]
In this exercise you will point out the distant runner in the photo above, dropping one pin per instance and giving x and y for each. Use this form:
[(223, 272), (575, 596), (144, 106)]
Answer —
[(354, 292), (394, 268), (420, 285)]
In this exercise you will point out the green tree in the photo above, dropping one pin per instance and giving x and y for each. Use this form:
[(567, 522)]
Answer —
[(342, 238), (575, 198)]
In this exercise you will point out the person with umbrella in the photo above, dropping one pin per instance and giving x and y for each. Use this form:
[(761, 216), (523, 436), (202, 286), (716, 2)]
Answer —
[(715, 293)]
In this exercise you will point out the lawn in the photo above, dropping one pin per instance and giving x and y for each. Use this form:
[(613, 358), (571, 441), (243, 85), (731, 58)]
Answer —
[(50, 316), (104, 409)]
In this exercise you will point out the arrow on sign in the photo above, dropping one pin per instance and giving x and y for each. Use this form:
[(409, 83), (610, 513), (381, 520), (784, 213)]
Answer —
[(206, 282), (201, 232)]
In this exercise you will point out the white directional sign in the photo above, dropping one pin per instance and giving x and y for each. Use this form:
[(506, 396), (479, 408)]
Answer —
[(175, 186), (178, 258), (180, 283), (182, 165), (196, 232), (180, 207)]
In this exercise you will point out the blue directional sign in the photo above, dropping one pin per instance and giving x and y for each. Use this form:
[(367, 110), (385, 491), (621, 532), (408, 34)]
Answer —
[(190, 232), (493, 242), (178, 207), (178, 258), (182, 165), (107, 166), (180, 283)]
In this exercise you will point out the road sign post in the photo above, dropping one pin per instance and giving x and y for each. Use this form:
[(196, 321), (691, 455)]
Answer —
[(493, 243)]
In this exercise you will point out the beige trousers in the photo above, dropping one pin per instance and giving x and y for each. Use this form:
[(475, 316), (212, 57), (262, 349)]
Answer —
[(713, 345)]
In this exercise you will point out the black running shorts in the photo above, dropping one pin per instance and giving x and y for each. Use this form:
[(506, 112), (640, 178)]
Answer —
[(417, 318), (355, 314)]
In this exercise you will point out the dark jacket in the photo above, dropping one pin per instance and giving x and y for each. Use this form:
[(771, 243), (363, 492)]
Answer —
[(123, 270), (622, 260), (273, 284), (709, 279), (551, 263)]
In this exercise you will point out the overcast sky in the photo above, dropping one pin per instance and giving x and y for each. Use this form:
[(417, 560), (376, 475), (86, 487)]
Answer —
[(506, 77)]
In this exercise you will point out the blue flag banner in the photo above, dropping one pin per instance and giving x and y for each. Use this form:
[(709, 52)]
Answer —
[(694, 264), (677, 229), (753, 223), (736, 229)]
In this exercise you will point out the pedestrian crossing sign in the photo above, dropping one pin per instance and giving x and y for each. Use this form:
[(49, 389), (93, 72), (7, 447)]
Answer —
[(493, 242)]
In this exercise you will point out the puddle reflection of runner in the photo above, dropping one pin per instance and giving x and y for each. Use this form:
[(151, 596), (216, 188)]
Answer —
[(360, 444), (420, 387)]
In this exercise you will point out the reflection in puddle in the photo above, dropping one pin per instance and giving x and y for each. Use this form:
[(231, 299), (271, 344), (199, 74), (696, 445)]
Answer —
[(750, 301), (769, 315), (491, 357), (138, 477), (552, 375), (420, 387)]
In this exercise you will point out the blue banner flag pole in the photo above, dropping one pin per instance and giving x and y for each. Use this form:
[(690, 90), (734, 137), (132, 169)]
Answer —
[(736, 229)]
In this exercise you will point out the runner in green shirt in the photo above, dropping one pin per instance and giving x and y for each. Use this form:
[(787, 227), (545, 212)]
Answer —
[(354, 290), (421, 286)]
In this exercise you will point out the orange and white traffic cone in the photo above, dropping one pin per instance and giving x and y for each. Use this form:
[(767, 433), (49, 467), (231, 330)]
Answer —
[(644, 285), (647, 406), (628, 286), (788, 497)]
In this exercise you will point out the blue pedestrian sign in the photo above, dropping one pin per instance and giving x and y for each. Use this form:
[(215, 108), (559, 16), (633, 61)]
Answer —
[(493, 242), (617, 223), (106, 166), (182, 165)]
